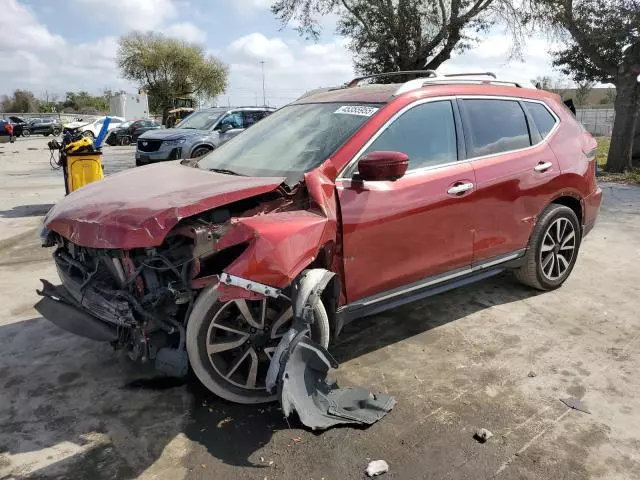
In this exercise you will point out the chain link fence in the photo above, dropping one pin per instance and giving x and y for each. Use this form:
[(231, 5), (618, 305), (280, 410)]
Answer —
[(597, 121)]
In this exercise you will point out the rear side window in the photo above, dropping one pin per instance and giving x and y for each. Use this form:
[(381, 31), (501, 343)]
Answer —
[(542, 117), (495, 126), (426, 133)]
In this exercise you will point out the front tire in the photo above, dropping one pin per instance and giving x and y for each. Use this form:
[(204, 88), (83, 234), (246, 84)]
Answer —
[(553, 249), (230, 344), (89, 134), (200, 152), (26, 133)]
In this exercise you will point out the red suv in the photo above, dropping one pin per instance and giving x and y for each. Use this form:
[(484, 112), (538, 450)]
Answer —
[(397, 191)]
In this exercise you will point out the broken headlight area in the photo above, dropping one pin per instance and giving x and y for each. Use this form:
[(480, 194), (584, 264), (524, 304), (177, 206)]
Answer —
[(139, 300)]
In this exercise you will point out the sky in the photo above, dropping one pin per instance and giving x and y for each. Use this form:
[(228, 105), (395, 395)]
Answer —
[(53, 46)]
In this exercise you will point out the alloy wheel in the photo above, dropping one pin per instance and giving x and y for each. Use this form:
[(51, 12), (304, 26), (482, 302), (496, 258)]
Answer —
[(242, 337), (557, 249)]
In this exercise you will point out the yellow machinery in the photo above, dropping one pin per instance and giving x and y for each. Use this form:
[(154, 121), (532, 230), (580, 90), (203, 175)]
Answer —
[(80, 160)]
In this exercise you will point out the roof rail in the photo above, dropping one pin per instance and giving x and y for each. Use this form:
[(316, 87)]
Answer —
[(356, 81), (454, 78)]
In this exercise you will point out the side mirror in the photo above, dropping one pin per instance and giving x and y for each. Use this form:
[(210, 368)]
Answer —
[(383, 165), (225, 127)]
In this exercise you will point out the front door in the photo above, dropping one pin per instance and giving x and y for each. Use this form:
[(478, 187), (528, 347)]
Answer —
[(514, 168), (398, 232)]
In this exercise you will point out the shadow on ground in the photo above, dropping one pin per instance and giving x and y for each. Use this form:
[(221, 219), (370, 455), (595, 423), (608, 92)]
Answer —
[(21, 211), (59, 388)]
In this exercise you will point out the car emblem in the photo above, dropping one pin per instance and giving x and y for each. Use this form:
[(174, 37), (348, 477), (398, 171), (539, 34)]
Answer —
[(144, 144)]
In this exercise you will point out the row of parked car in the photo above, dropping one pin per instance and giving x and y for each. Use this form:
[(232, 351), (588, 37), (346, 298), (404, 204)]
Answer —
[(121, 132)]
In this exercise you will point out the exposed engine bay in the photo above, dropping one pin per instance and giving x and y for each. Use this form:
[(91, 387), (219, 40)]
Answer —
[(146, 295)]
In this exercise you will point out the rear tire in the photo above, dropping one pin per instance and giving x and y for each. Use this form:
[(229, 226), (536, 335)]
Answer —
[(213, 347), (553, 249)]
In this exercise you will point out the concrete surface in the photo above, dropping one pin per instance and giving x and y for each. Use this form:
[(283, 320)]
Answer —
[(72, 408)]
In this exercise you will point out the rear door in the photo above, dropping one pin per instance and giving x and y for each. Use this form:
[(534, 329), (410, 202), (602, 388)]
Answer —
[(399, 232), (514, 170)]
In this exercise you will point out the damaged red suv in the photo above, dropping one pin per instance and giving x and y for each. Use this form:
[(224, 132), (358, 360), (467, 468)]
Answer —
[(395, 191)]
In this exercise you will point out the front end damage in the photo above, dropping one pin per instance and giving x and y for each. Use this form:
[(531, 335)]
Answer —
[(278, 243)]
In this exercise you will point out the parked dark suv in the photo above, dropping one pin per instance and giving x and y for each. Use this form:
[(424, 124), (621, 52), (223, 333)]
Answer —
[(42, 126), (340, 205), (198, 134)]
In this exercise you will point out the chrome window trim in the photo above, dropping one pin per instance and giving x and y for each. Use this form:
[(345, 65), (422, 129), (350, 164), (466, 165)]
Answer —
[(451, 98)]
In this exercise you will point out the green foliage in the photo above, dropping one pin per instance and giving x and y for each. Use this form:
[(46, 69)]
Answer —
[(168, 68), (21, 101), (404, 34), (582, 92)]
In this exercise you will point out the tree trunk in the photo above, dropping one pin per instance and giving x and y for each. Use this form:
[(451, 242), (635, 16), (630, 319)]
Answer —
[(627, 108)]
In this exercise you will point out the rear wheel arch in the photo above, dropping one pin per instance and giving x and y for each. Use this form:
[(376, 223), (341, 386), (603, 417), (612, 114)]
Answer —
[(574, 202)]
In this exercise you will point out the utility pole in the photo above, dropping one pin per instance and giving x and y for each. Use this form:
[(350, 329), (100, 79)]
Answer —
[(264, 97)]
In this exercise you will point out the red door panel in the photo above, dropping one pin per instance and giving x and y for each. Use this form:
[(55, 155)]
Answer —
[(399, 232), (512, 190)]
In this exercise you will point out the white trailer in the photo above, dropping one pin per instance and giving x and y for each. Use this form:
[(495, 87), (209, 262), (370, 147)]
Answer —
[(131, 106)]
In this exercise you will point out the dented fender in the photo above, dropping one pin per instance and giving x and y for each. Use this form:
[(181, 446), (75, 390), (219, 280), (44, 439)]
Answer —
[(280, 245)]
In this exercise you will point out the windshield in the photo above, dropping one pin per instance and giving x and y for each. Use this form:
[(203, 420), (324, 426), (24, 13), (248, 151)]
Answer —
[(126, 124), (202, 120), (291, 141)]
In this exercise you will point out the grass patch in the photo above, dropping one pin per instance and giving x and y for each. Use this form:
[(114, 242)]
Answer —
[(631, 177)]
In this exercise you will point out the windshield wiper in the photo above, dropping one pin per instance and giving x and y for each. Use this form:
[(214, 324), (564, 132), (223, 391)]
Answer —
[(225, 171)]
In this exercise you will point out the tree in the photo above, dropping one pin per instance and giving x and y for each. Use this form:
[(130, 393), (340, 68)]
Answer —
[(21, 101), (543, 82), (167, 68), (398, 35), (583, 91), (602, 45)]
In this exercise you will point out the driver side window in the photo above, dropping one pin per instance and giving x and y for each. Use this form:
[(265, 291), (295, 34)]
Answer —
[(233, 120), (426, 133)]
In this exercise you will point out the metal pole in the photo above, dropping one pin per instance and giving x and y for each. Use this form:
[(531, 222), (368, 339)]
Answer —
[(264, 97)]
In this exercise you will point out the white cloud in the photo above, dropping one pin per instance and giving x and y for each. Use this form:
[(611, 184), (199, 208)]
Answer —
[(133, 14), (291, 68), (34, 58), (251, 6), (185, 31)]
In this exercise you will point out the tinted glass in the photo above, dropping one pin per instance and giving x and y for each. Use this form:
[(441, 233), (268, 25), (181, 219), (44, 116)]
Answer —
[(496, 126), (426, 133), (291, 141), (542, 117), (202, 120)]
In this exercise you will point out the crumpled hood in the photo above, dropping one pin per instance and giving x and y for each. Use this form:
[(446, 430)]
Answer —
[(172, 133), (138, 207)]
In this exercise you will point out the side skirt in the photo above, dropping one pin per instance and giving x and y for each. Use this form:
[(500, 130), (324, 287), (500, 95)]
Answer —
[(428, 287)]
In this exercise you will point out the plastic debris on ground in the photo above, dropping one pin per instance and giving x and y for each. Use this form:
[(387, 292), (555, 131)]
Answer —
[(377, 467), (575, 404), (482, 435), (299, 369)]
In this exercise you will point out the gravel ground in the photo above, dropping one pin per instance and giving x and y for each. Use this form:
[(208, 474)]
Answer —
[(492, 355)]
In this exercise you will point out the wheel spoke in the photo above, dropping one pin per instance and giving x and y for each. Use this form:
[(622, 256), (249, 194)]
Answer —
[(263, 313), (558, 230), (237, 363), (226, 344), (546, 262), (246, 313), (563, 261), (570, 236), (252, 377), (269, 351), (231, 329), (284, 318)]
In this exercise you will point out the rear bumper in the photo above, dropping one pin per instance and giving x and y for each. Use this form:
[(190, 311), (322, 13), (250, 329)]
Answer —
[(591, 209)]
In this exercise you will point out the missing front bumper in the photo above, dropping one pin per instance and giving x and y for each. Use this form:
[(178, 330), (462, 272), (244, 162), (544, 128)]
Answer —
[(59, 307)]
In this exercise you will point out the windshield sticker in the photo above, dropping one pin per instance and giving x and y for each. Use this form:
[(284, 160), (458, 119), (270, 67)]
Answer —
[(362, 110)]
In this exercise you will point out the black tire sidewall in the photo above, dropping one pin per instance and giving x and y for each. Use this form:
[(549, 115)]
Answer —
[(204, 151), (550, 215)]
